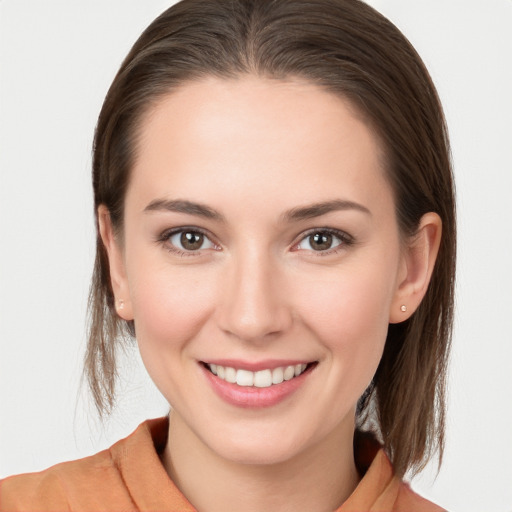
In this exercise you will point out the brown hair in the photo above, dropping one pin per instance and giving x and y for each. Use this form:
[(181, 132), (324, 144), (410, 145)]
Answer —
[(348, 48)]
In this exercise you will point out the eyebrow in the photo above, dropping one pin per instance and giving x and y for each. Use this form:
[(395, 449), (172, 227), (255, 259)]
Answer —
[(183, 206), (318, 209), (295, 214)]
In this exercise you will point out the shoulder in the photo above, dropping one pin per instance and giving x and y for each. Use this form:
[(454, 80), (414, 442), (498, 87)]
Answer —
[(407, 500), (380, 489), (85, 484), (129, 476)]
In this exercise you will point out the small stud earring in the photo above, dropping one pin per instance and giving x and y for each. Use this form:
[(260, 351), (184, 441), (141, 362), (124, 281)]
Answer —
[(403, 308), (120, 304)]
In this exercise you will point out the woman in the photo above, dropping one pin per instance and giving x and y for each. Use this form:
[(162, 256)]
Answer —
[(276, 227)]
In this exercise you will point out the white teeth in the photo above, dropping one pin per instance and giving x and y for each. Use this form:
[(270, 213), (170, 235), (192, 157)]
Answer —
[(263, 379), (230, 375), (259, 379), (244, 378), (277, 375), (289, 372)]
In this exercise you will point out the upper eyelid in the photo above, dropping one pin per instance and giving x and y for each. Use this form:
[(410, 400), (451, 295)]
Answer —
[(333, 231), (167, 233), (346, 239), (343, 235), (164, 239)]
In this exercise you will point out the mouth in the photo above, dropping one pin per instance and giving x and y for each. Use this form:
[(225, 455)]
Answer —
[(264, 378)]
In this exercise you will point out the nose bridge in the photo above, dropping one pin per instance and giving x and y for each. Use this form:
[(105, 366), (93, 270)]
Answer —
[(253, 305)]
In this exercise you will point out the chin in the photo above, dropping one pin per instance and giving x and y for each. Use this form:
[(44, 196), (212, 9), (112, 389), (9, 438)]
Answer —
[(257, 450), (258, 457)]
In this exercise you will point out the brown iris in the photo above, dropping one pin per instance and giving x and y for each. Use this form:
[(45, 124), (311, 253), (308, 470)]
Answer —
[(191, 240), (320, 241)]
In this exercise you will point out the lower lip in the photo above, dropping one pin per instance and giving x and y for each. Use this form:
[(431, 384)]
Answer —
[(251, 396)]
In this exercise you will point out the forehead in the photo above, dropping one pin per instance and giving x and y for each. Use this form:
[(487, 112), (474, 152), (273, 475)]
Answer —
[(251, 136)]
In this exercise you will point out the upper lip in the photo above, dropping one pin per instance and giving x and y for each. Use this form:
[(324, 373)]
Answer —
[(254, 366)]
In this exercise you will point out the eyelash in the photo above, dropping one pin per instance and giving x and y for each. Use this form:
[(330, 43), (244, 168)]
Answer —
[(345, 239), (165, 237)]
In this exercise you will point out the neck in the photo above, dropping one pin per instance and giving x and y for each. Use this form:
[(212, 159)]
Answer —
[(320, 478)]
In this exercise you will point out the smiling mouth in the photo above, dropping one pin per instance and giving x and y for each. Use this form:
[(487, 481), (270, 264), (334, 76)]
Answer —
[(261, 378)]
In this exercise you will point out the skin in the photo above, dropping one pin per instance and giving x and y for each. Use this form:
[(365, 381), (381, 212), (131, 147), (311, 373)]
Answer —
[(254, 150)]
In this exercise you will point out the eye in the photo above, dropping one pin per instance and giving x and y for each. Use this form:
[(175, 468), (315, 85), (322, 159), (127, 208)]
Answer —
[(323, 240), (185, 241)]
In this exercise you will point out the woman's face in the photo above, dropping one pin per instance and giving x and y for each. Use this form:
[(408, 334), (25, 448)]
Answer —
[(260, 234)]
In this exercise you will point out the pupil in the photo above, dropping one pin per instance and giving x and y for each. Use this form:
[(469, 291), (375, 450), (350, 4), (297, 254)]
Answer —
[(321, 241), (191, 241)]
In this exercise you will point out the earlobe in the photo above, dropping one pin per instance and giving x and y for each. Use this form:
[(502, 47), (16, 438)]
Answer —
[(419, 258), (116, 264)]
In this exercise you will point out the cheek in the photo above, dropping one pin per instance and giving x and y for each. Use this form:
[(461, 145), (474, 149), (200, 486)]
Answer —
[(349, 313), (169, 305)]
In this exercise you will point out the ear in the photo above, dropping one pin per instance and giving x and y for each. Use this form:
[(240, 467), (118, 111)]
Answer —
[(116, 265), (418, 260)]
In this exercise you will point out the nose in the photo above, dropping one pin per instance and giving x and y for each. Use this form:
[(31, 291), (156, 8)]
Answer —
[(253, 303)]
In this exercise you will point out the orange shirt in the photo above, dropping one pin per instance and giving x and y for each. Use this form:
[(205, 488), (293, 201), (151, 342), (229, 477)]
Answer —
[(130, 477)]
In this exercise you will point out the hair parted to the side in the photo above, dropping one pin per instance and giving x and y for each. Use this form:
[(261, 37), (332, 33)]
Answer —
[(351, 50)]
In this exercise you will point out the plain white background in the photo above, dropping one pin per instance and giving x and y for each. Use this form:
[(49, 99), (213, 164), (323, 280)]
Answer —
[(57, 59)]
